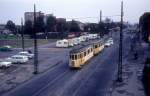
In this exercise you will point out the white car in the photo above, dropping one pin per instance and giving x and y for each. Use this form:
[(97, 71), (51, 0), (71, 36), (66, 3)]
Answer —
[(17, 59), (111, 42), (107, 44), (62, 43), (26, 53), (4, 63), (110, 39)]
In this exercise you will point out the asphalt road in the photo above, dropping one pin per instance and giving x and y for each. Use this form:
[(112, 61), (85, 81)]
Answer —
[(94, 79)]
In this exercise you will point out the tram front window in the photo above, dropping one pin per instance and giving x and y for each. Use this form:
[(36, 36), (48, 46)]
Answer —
[(72, 57)]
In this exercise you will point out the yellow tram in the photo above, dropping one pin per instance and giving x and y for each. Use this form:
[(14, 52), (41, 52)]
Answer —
[(97, 47), (80, 56)]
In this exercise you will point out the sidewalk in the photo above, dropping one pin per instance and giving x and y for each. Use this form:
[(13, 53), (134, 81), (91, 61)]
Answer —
[(132, 75)]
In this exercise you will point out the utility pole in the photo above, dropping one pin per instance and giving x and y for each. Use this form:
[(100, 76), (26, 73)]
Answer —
[(22, 34), (119, 79), (100, 19), (35, 44), (100, 22)]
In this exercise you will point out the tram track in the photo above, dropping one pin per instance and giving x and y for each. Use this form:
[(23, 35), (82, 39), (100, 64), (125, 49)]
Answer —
[(64, 83), (59, 80), (50, 83), (97, 67), (47, 78)]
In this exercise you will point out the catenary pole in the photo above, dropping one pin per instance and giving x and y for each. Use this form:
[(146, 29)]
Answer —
[(120, 47), (22, 34), (35, 44)]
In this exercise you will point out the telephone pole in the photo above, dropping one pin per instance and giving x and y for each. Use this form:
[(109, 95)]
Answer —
[(22, 34), (119, 79), (100, 19), (35, 44)]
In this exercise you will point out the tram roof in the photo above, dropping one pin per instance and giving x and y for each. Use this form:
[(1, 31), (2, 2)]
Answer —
[(80, 48), (84, 46)]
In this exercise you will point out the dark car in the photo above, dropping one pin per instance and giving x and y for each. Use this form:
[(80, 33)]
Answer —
[(6, 48)]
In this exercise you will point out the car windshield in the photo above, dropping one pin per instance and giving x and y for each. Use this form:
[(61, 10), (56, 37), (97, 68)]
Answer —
[(23, 53)]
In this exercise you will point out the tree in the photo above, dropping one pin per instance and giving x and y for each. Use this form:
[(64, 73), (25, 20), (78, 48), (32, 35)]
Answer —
[(74, 27), (40, 26), (62, 27), (101, 28), (145, 26), (28, 27), (93, 27), (51, 23), (107, 20), (11, 26)]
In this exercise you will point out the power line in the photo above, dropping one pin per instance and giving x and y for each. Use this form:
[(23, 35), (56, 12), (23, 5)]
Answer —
[(92, 17)]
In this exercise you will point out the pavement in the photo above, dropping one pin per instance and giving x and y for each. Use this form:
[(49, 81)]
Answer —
[(17, 74), (132, 71)]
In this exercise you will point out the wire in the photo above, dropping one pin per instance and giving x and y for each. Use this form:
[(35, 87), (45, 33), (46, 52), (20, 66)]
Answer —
[(94, 17)]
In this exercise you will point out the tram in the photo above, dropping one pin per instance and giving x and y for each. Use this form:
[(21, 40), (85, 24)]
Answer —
[(79, 56)]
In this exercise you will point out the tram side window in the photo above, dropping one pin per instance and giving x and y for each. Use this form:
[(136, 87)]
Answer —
[(75, 57), (96, 46), (88, 51), (72, 57), (84, 53)]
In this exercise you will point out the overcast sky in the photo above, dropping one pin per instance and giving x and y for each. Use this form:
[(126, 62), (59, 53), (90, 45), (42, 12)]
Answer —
[(133, 9)]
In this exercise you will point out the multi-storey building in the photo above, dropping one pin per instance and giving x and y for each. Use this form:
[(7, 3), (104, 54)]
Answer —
[(29, 16)]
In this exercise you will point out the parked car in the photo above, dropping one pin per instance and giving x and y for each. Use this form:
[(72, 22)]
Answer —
[(4, 63), (6, 48), (17, 59), (62, 43), (26, 53)]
